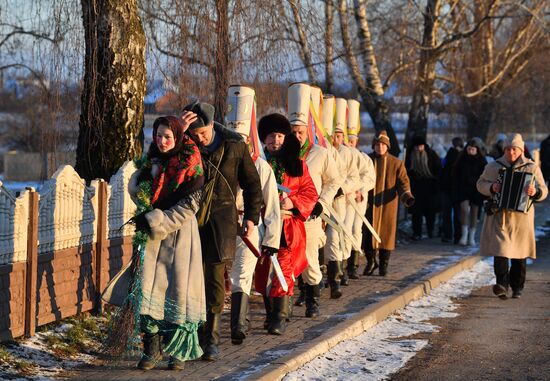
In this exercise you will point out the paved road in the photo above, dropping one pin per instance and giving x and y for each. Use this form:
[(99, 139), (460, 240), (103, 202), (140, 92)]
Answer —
[(492, 339), (410, 263)]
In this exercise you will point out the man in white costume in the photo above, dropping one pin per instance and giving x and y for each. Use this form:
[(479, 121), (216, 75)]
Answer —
[(324, 174), (335, 249), (367, 178), (241, 117)]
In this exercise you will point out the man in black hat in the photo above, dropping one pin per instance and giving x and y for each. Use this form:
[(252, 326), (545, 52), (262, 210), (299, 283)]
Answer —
[(227, 163)]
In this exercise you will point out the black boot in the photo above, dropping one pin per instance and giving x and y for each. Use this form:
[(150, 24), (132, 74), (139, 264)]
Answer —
[(353, 263), (301, 300), (239, 317), (151, 351), (323, 269), (333, 277), (384, 262), (268, 304), (175, 364), (313, 294), (279, 315), (211, 336), (344, 280), (371, 263)]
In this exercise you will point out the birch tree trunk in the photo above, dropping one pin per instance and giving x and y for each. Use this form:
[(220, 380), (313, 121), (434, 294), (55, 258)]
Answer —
[(422, 95), (329, 48), (111, 118), (369, 87), (304, 49)]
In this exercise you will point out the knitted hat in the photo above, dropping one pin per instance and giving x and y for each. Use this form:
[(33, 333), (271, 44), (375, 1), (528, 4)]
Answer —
[(515, 140), (382, 137), (273, 123), (204, 111)]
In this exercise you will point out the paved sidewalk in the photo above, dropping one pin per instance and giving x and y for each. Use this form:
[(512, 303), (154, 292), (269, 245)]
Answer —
[(410, 263)]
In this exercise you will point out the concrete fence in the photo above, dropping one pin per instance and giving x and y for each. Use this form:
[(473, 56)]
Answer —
[(59, 247)]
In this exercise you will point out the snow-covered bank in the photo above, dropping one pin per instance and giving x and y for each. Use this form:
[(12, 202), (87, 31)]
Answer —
[(379, 352)]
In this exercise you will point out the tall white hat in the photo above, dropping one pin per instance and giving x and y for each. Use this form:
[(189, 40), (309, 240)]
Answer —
[(327, 113), (354, 123), (299, 96), (240, 103), (341, 118)]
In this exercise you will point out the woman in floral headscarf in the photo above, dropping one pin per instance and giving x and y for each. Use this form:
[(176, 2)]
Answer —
[(167, 293)]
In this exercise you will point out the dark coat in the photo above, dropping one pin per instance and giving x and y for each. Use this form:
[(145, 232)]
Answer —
[(425, 190), (235, 164), (466, 172), (545, 158), (445, 184)]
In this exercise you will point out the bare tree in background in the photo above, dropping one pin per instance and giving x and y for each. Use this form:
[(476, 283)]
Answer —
[(114, 87), (368, 82), (433, 48), (216, 43), (490, 64)]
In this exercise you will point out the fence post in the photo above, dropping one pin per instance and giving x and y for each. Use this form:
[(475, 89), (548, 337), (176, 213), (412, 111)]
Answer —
[(32, 264), (101, 245)]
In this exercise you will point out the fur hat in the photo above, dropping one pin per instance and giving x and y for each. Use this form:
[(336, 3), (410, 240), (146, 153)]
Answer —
[(273, 123), (382, 137), (515, 140), (418, 141), (204, 111)]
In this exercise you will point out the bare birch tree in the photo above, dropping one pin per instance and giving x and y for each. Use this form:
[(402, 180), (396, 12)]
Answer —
[(111, 118)]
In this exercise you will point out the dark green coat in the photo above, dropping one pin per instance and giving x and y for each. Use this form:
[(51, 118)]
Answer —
[(235, 164)]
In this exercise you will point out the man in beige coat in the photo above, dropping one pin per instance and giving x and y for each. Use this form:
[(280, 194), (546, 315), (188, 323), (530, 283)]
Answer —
[(391, 185), (509, 234)]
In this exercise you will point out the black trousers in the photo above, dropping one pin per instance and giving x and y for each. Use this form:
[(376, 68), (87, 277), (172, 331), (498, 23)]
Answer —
[(214, 284), (417, 222), (451, 218), (513, 277)]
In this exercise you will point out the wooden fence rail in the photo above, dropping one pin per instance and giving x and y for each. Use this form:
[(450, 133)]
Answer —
[(59, 248)]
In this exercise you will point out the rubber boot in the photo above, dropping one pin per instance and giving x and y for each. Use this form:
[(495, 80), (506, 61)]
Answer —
[(301, 300), (384, 257), (268, 312), (151, 351), (313, 293), (333, 277), (371, 263), (279, 315), (344, 280), (471, 236), (239, 317), (290, 308), (463, 241), (353, 263), (211, 336)]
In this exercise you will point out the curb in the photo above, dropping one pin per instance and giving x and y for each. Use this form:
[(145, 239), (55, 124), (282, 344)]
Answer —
[(359, 323)]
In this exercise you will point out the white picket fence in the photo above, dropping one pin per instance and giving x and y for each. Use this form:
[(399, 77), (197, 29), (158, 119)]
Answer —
[(67, 216)]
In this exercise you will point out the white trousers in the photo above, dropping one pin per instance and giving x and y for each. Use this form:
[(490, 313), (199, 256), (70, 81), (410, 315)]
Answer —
[(244, 264), (357, 229), (314, 238), (334, 247)]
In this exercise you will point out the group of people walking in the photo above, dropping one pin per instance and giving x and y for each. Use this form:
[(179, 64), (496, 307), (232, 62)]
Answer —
[(268, 205)]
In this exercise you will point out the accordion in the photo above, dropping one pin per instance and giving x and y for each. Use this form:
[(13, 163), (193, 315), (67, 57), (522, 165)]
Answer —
[(512, 195)]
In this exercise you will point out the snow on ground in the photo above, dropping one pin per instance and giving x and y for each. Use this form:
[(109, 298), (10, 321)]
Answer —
[(385, 348), (16, 186)]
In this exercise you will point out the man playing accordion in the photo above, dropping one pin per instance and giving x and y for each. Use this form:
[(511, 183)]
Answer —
[(509, 231)]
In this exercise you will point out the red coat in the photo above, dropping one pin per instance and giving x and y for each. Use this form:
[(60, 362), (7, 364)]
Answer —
[(292, 258)]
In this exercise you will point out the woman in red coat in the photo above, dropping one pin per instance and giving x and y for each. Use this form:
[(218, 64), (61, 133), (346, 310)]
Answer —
[(298, 196)]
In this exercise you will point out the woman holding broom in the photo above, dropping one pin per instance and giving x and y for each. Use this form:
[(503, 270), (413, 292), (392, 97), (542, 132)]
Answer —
[(166, 299)]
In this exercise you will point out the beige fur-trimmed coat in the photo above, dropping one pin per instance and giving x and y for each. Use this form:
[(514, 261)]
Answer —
[(509, 233)]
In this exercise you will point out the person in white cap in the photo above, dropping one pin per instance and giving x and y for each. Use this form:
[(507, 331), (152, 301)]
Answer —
[(324, 174), (242, 119), (367, 177), (510, 234), (335, 252)]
